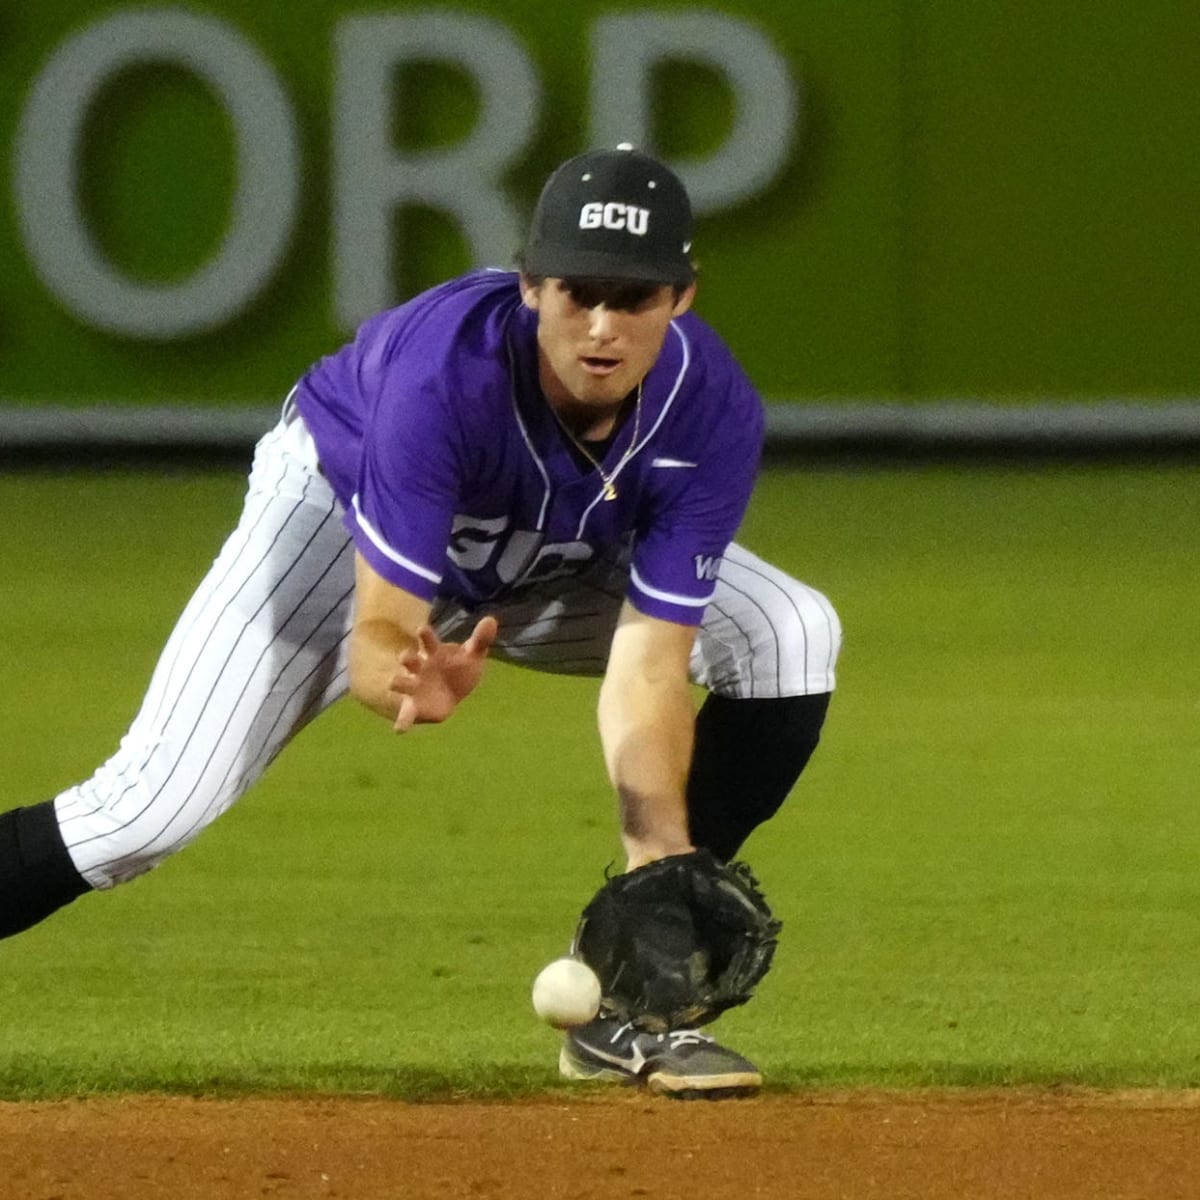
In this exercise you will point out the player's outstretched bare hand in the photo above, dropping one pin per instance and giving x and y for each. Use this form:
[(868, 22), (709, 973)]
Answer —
[(435, 675)]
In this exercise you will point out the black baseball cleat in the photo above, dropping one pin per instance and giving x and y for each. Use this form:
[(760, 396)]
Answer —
[(683, 1064)]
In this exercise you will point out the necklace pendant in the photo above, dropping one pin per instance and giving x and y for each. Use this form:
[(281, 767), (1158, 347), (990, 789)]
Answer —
[(610, 492)]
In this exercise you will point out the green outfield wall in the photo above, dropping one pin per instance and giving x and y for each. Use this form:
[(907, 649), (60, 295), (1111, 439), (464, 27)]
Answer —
[(898, 200)]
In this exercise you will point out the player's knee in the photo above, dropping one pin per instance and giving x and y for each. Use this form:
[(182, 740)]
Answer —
[(117, 833), (797, 647), (110, 851)]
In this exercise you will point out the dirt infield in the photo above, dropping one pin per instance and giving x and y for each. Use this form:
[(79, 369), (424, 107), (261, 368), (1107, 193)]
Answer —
[(927, 1146)]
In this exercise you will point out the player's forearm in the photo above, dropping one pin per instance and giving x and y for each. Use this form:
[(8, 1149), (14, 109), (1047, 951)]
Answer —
[(387, 621), (647, 733)]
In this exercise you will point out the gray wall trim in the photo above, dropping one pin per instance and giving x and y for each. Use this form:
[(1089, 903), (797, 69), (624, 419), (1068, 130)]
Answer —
[(793, 425)]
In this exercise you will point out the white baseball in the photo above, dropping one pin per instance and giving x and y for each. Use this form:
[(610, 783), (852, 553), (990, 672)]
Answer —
[(566, 993)]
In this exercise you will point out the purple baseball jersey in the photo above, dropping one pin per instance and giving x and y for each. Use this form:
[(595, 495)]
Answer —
[(458, 481)]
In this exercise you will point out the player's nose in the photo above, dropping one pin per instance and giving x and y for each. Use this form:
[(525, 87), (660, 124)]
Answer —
[(601, 324)]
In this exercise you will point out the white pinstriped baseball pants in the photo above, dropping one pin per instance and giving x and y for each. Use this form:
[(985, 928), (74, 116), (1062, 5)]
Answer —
[(260, 650)]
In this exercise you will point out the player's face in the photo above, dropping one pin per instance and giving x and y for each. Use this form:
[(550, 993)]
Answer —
[(599, 339)]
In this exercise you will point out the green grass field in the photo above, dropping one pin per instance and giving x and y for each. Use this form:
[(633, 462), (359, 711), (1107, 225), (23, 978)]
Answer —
[(988, 875)]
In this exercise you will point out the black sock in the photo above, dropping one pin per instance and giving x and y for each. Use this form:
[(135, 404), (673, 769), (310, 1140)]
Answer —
[(747, 758), (37, 876)]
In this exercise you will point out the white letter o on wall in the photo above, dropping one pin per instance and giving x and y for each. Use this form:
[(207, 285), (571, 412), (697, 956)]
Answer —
[(46, 174)]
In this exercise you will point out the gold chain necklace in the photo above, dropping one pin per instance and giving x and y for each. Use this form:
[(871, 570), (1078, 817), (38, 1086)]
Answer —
[(610, 488)]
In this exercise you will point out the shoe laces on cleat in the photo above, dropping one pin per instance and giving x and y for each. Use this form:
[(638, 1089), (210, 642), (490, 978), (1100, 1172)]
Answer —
[(673, 1039), (686, 1037)]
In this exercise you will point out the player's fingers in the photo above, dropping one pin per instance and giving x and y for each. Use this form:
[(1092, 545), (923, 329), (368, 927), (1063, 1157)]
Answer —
[(405, 680), (414, 659), (483, 636), (406, 715), (428, 641)]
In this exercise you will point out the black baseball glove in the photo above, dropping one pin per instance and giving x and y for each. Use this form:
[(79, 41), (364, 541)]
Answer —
[(677, 942)]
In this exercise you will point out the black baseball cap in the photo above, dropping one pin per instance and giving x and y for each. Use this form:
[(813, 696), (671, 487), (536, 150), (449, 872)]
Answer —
[(612, 214)]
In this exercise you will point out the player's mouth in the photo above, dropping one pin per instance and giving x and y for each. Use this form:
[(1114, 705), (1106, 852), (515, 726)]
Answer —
[(595, 364)]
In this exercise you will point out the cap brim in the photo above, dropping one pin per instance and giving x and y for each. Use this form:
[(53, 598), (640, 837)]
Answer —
[(569, 262)]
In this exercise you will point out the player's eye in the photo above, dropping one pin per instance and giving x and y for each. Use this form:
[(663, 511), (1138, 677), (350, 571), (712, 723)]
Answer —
[(616, 294)]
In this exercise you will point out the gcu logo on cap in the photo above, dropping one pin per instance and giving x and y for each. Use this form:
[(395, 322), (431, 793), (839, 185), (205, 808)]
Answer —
[(615, 216)]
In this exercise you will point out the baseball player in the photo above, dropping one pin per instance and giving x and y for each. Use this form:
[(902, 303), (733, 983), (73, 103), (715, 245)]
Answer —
[(547, 465)]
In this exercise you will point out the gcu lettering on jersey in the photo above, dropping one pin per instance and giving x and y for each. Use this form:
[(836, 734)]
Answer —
[(615, 215), (707, 566)]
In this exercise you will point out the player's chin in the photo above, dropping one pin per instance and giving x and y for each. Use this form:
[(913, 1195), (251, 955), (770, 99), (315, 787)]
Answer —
[(605, 389)]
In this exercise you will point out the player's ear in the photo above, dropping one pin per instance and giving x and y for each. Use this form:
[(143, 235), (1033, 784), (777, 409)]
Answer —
[(683, 301), (531, 291)]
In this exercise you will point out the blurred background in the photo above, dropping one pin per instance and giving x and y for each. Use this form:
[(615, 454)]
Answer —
[(920, 221)]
